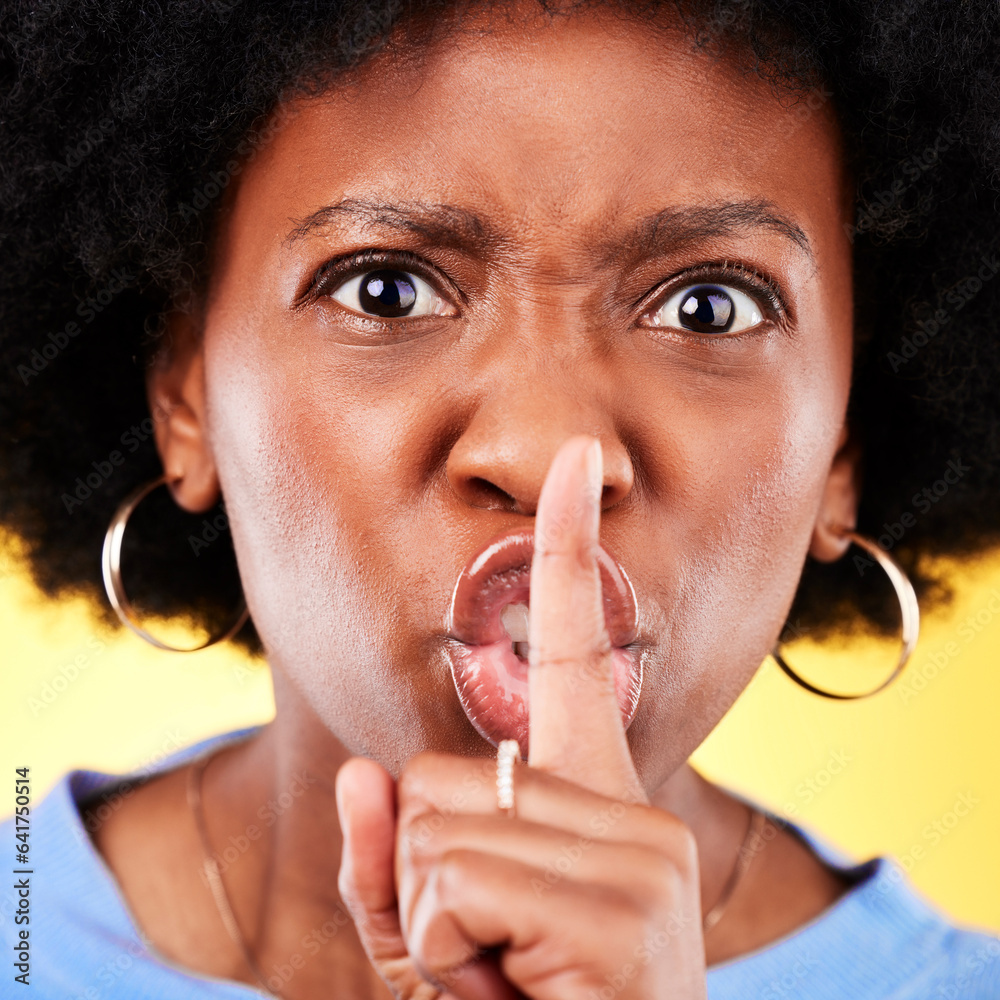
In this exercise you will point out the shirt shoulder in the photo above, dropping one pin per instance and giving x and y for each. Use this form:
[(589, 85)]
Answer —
[(73, 926), (882, 940)]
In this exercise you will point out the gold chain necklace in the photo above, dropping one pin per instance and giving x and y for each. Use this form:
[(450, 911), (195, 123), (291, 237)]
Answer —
[(210, 868), (213, 877), (748, 850)]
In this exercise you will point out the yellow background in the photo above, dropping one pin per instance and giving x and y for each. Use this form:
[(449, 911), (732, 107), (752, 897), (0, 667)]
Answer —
[(872, 777)]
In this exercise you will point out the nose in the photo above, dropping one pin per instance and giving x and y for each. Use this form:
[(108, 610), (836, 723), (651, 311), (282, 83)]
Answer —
[(500, 460)]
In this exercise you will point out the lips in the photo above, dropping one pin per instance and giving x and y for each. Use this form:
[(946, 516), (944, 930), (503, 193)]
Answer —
[(491, 678)]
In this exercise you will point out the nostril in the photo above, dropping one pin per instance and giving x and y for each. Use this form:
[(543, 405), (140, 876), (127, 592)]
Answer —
[(482, 493)]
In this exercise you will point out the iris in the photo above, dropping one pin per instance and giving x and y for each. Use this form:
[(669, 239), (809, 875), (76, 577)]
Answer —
[(387, 293), (707, 309)]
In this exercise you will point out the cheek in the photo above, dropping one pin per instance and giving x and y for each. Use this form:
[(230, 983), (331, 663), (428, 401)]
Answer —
[(318, 488), (741, 478)]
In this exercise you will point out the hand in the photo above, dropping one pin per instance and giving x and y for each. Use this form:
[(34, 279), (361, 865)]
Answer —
[(589, 892)]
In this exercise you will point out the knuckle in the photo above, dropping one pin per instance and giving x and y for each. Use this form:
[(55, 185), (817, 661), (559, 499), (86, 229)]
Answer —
[(416, 780), (673, 833), (564, 550), (663, 874), (591, 662), (685, 851), (654, 881), (452, 872), (409, 783), (422, 834)]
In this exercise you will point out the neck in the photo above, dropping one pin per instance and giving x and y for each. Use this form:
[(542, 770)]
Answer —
[(270, 802)]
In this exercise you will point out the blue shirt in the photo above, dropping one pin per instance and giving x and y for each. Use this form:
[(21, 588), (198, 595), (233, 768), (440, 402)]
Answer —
[(879, 940)]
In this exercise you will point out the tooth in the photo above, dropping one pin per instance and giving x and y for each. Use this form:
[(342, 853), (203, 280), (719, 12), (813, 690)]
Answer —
[(515, 618)]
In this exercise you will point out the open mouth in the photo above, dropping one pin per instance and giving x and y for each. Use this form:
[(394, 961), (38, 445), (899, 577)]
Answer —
[(489, 626)]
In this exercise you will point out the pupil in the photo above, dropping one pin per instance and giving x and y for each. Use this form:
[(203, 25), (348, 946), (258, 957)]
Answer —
[(707, 310), (387, 293)]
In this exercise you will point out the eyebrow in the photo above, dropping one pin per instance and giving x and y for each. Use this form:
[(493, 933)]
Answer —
[(440, 223), (458, 227), (673, 227)]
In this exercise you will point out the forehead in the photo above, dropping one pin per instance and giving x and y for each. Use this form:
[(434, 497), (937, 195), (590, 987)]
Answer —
[(575, 123)]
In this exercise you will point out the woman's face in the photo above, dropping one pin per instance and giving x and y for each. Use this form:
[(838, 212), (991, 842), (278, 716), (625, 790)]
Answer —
[(549, 201)]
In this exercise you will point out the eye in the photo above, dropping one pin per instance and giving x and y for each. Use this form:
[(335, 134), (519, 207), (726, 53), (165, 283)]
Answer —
[(389, 293), (708, 309)]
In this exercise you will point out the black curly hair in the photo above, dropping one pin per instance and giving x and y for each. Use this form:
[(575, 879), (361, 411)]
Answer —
[(121, 124)]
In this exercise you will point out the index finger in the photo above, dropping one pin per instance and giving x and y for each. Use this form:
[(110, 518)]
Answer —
[(576, 729)]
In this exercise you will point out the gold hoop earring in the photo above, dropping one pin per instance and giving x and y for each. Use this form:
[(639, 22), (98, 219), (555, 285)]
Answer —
[(112, 572), (909, 608)]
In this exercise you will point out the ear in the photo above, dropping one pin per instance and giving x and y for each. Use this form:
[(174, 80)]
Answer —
[(175, 387), (841, 495)]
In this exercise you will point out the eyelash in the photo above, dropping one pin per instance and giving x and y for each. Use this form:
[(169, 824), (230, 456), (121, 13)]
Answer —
[(334, 272), (746, 279)]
